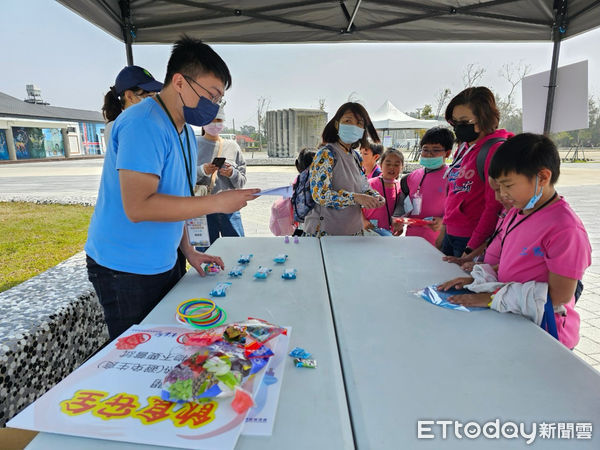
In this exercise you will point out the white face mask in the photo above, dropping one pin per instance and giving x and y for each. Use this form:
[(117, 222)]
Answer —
[(214, 128)]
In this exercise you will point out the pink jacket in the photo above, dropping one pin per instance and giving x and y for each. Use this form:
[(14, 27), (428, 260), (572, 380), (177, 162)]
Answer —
[(471, 209)]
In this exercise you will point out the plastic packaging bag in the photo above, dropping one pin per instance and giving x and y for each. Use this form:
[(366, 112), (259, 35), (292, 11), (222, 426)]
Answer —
[(289, 274), (262, 272), (245, 259), (237, 271), (220, 290), (440, 298)]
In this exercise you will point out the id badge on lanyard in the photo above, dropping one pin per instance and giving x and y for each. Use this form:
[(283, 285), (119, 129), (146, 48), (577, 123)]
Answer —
[(413, 206), (197, 231), (417, 203)]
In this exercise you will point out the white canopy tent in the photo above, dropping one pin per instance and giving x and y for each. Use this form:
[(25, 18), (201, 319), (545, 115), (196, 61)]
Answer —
[(388, 117)]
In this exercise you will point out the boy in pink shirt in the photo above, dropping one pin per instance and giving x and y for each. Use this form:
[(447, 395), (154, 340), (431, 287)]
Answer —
[(388, 185), (542, 240), (490, 249), (371, 154), (427, 187)]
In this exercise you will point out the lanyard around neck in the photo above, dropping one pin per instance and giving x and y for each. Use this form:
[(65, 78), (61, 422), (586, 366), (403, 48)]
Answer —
[(387, 208), (188, 170), (509, 229)]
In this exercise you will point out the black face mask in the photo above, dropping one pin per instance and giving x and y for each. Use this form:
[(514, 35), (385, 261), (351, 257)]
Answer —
[(465, 132)]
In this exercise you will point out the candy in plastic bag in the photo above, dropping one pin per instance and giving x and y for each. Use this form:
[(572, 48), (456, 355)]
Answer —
[(262, 272), (300, 353), (280, 259), (220, 289), (236, 272), (289, 274), (309, 363), (211, 269), (261, 330), (212, 371), (244, 259)]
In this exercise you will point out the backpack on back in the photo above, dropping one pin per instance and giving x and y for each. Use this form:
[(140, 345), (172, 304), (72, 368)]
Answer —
[(482, 156), (302, 200)]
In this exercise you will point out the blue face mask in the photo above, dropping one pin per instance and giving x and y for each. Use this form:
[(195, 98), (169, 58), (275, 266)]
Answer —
[(203, 114), (349, 134), (533, 200), (432, 163)]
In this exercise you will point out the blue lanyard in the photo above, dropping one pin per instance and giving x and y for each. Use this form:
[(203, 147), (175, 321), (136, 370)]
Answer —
[(188, 171)]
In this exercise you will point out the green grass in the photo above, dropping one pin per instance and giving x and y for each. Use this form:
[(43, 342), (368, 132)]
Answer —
[(34, 238)]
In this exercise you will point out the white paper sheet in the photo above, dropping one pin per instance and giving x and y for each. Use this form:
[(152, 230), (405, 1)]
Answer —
[(284, 191), (116, 395)]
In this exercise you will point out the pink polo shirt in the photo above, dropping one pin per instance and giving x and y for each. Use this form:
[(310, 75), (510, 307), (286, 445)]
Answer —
[(553, 239), (390, 195), (492, 251), (433, 189)]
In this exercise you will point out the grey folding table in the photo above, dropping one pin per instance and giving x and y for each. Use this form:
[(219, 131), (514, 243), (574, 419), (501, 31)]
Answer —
[(405, 359)]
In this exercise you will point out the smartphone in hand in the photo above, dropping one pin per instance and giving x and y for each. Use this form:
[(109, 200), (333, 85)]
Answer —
[(218, 162)]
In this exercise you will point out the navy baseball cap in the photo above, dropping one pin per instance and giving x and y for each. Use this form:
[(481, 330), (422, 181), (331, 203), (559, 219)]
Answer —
[(136, 77)]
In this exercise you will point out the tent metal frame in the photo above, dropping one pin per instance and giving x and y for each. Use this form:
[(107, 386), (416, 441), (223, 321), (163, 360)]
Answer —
[(557, 27)]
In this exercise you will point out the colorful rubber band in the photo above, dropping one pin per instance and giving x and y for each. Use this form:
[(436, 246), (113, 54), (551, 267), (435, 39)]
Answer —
[(186, 305), (214, 317)]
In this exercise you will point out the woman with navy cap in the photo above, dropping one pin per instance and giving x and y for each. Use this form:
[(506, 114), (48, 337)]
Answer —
[(132, 85)]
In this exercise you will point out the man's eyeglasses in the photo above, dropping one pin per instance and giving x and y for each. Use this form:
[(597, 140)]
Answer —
[(216, 99), (432, 151)]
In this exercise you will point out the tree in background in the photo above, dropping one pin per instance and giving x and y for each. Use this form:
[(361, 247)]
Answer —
[(472, 74), (441, 100), (587, 137), (322, 103), (247, 130), (261, 113), (511, 117)]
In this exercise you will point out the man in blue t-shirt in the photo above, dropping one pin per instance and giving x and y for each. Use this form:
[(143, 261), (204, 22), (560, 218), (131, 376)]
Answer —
[(146, 190)]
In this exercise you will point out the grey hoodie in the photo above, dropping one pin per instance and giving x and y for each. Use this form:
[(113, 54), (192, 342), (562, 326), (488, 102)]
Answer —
[(207, 150)]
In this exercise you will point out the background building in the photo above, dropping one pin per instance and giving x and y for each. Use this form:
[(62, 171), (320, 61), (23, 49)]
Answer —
[(290, 130), (32, 129)]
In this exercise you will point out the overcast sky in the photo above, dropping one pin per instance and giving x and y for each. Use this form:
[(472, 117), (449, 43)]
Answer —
[(74, 63)]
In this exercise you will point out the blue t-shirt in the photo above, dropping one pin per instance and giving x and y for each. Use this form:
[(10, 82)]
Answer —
[(142, 139)]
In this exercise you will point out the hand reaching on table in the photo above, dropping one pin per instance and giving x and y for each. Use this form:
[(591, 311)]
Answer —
[(196, 259), (456, 283), (481, 299)]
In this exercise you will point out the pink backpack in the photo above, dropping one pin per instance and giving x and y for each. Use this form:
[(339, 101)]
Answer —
[(282, 217)]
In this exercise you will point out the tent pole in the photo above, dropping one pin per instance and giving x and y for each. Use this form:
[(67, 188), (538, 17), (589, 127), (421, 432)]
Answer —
[(128, 29), (353, 16), (559, 27), (129, 51)]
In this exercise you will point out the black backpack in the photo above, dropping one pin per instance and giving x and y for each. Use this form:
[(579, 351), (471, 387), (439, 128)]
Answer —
[(482, 155)]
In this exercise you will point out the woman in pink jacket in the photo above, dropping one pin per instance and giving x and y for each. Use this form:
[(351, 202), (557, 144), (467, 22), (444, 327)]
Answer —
[(471, 211)]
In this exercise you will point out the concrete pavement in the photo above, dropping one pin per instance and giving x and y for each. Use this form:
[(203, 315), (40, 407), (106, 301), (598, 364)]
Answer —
[(78, 181)]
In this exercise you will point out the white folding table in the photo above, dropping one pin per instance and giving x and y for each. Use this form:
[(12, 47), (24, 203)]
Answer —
[(405, 359), (312, 410)]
